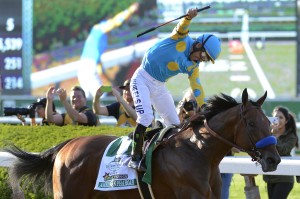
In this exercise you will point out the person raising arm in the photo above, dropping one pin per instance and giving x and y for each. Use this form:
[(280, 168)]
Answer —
[(77, 112), (123, 110)]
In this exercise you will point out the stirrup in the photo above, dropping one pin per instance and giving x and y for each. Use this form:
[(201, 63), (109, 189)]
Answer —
[(137, 164), (133, 164), (142, 164), (142, 167)]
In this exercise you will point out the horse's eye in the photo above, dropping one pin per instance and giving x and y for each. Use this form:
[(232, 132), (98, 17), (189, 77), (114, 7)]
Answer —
[(251, 124)]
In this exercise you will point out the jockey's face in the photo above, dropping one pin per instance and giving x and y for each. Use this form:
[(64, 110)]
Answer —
[(198, 55), (78, 100)]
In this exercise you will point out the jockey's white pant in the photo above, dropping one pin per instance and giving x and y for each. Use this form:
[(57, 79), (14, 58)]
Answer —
[(147, 91)]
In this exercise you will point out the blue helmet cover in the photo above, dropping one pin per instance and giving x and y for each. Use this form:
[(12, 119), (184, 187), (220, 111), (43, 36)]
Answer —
[(212, 45)]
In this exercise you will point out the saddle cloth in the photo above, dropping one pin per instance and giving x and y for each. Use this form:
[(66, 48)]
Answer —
[(114, 173)]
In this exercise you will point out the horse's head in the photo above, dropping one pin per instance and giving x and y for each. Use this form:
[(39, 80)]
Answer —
[(253, 133), (244, 126)]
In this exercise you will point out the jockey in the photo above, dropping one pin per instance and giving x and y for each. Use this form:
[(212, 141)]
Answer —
[(178, 53)]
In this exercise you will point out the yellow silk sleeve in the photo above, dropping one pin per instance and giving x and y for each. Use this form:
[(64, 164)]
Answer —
[(197, 87), (181, 30)]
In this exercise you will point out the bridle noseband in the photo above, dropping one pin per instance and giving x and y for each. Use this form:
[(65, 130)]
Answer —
[(253, 152)]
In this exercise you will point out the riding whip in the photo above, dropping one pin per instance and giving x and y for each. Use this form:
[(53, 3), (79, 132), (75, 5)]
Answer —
[(151, 29)]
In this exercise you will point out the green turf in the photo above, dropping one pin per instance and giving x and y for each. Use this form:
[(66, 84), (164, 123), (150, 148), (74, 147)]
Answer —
[(238, 185)]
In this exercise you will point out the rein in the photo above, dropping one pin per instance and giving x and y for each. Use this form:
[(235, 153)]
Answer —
[(223, 139), (254, 153), (185, 126)]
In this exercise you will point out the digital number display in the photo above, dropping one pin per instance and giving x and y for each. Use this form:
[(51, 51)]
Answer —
[(11, 44)]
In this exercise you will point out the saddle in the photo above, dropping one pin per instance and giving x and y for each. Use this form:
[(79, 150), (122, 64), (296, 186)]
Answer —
[(159, 132), (153, 138), (149, 134), (155, 135)]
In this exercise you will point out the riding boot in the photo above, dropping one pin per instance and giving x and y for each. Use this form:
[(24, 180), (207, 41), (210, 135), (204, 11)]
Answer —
[(137, 148)]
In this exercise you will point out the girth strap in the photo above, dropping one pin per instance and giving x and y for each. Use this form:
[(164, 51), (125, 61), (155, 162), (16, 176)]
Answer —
[(145, 189)]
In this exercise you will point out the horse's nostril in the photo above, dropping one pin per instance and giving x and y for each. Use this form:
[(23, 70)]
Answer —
[(271, 161)]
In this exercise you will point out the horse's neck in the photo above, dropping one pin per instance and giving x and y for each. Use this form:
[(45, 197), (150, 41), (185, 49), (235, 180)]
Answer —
[(223, 124), (199, 143)]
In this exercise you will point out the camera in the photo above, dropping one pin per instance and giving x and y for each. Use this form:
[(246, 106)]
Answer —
[(106, 89), (30, 110), (189, 106), (274, 120)]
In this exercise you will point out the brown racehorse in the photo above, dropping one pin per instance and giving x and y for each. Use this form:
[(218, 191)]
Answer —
[(186, 165)]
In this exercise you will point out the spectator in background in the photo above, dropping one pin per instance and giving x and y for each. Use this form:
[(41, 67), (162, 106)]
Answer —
[(77, 112), (122, 110), (39, 108), (285, 131)]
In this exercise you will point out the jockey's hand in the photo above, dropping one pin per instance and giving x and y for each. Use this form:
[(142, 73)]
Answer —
[(192, 12)]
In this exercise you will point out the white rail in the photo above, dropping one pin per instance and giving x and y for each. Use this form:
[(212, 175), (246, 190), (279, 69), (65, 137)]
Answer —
[(244, 165), (6, 159)]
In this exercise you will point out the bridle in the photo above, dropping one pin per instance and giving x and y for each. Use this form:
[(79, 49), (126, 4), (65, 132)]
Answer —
[(253, 152)]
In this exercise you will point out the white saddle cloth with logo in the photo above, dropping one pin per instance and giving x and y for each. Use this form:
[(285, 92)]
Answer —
[(114, 173)]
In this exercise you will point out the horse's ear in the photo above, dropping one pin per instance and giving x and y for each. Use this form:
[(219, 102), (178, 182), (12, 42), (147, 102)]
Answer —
[(245, 96), (261, 100)]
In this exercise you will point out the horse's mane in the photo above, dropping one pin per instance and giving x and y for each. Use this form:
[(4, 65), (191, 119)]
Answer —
[(217, 104), (214, 105)]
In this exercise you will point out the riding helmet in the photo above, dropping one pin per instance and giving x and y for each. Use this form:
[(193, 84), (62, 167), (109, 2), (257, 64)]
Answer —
[(211, 44)]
